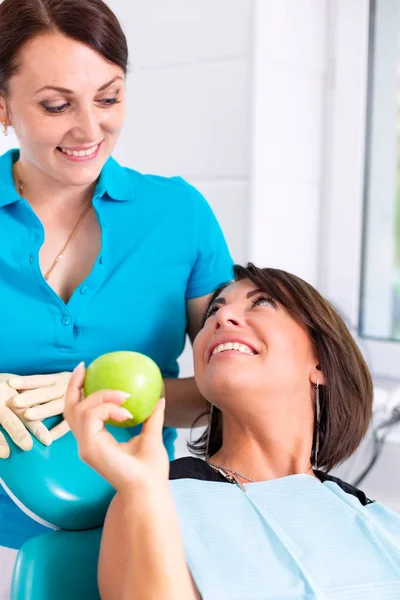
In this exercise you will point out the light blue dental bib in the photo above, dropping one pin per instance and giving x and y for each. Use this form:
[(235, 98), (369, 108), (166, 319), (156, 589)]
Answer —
[(292, 538)]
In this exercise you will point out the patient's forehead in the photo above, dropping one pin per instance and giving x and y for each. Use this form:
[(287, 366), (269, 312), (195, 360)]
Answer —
[(237, 289)]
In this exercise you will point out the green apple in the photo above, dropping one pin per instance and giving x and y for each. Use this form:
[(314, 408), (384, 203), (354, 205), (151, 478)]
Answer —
[(130, 372)]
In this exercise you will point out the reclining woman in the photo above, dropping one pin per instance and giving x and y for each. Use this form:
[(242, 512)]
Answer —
[(260, 517)]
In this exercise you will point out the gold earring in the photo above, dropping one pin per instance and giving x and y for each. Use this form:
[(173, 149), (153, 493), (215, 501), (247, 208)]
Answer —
[(317, 424), (5, 128), (209, 431)]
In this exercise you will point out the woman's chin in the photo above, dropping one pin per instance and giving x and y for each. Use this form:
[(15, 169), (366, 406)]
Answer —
[(220, 384)]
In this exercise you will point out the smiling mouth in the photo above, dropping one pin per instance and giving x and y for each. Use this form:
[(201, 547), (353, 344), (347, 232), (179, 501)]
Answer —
[(79, 153), (239, 348)]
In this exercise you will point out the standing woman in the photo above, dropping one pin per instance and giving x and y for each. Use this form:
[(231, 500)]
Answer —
[(82, 236)]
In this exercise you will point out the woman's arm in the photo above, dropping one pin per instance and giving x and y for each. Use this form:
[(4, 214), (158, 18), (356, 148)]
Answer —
[(184, 401), (141, 554)]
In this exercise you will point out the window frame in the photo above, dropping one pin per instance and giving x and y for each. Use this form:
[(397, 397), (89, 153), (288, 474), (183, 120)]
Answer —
[(344, 175)]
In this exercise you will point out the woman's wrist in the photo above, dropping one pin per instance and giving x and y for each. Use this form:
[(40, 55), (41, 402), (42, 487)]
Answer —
[(146, 490)]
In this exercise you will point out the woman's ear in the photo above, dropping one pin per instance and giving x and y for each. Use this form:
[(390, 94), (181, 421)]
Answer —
[(3, 111), (317, 373)]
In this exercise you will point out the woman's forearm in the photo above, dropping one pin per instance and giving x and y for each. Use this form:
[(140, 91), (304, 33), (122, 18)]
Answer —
[(184, 403), (157, 566)]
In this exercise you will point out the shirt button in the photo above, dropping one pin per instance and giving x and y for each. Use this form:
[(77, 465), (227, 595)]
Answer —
[(66, 320), (84, 289), (101, 259), (30, 259)]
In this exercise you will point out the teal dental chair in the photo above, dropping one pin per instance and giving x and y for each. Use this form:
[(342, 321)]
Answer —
[(61, 565), (55, 486)]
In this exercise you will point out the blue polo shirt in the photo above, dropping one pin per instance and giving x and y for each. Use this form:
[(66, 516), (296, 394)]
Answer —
[(161, 245)]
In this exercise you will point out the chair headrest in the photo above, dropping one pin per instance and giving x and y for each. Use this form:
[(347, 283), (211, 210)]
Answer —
[(54, 486)]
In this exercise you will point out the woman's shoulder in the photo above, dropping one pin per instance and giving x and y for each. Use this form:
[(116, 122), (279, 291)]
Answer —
[(195, 468), (117, 175), (346, 487), (189, 467), (9, 157)]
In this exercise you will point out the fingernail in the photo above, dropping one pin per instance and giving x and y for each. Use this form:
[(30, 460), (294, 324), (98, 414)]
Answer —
[(26, 446), (30, 414), (4, 449), (123, 395), (17, 402), (79, 366), (162, 402), (126, 413)]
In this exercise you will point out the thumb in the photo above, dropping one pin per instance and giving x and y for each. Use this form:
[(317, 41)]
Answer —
[(73, 394), (59, 430), (154, 424)]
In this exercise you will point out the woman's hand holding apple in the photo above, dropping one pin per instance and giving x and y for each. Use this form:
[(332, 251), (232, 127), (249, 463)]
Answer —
[(129, 466)]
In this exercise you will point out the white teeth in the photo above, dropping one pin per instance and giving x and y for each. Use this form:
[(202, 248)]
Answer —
[(81, 153), (244, 348), (232, 346)]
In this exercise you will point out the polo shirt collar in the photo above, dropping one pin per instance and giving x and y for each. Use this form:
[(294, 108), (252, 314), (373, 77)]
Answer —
[(8, 193), (114, 180)]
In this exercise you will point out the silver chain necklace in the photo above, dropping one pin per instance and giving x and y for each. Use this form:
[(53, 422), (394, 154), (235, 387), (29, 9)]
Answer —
[(230, 471)]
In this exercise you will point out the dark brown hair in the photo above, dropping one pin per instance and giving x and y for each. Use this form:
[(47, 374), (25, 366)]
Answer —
[(90, 22), (346, 399)]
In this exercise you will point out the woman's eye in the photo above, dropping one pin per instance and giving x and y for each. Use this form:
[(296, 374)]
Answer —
[(211, 311), (264, 300), (109, 101), (54, 110)]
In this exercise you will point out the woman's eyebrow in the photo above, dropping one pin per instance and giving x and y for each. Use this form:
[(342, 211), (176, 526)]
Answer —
[(67, 91), (219, 300), (222, 300), (55, 88), (253, 293), (106, 85)]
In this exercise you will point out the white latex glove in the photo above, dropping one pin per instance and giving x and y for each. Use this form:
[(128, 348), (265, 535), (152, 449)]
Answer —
[(13, 421), (42, 396)]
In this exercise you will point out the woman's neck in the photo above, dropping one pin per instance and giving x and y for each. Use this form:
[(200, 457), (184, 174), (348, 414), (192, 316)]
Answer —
[(41, 191), (262, 452)]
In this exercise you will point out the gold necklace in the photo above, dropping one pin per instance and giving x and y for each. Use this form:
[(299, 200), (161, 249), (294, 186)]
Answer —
[(72, 234), (231, 471)]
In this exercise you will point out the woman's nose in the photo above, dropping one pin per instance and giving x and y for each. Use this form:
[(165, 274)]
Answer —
[(88, 126), (227, 316)]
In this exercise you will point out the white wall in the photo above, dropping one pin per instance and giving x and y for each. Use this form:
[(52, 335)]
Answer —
[(290, 63)]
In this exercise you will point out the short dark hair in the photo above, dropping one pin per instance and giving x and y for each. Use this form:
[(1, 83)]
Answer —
[(90, 22), (346, 399)]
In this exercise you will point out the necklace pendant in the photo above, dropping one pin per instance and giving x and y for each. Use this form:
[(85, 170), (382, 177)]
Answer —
[(230, 473)]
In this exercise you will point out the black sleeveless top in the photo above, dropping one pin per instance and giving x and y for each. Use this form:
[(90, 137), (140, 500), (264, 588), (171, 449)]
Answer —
[(195, 468)]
